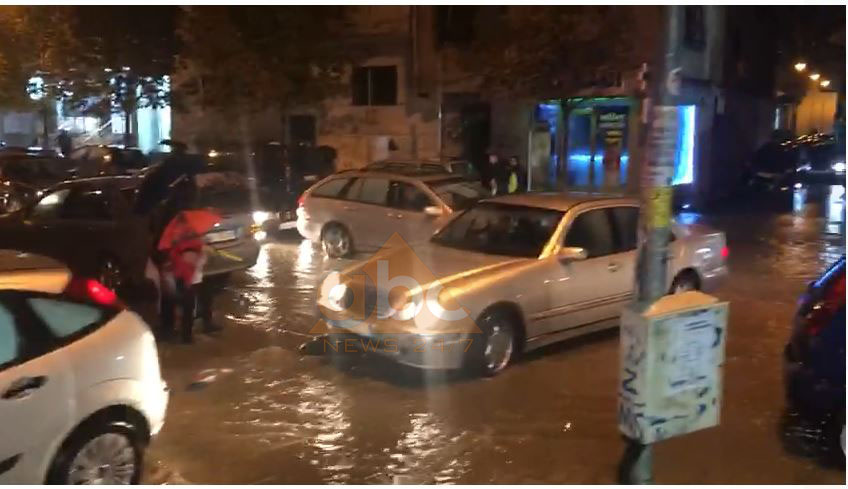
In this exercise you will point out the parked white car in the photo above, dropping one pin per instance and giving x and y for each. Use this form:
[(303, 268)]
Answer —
[(355, 211), (80, 388)]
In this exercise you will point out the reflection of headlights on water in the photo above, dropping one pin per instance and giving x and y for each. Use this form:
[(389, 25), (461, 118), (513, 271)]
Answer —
[(259, 217), (839, 166)]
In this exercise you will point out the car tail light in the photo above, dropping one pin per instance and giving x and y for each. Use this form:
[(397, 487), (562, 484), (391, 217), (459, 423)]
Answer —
[(90, 290), (822, 308), (725, 252), (300, 200)]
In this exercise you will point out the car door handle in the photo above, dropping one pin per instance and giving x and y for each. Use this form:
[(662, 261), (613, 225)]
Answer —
[(347, 208), (24, 386), (396, 216), (612, 267)]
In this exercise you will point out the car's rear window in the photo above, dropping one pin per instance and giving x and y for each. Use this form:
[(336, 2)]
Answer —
[(65, 318), (227, 191), (458, 194)]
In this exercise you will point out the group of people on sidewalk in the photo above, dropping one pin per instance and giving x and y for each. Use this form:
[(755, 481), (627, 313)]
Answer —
[(505, 177)]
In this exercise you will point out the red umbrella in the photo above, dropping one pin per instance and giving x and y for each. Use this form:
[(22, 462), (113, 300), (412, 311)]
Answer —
[(187, 225)]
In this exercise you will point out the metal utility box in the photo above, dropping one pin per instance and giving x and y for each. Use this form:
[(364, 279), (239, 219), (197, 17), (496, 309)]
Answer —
[(671, 360)]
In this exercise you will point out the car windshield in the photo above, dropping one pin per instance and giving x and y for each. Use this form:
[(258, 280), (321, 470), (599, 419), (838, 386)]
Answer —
[(458, 194), (226, 191), (501, 229)]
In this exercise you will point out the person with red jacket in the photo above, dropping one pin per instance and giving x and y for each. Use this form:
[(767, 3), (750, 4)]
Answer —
[(183, 275)]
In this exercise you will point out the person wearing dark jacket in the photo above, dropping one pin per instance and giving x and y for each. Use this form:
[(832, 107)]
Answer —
[(500, 175)]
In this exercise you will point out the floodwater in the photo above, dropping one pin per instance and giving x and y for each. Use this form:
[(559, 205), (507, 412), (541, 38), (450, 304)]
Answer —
[(247, 407)]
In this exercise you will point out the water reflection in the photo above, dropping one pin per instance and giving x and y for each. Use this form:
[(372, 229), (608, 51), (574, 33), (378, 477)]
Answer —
[(799, 198), (835, 210)]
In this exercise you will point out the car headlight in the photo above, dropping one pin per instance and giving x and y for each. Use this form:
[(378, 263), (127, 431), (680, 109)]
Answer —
[(839, 166), (337, 297), (259, 217), (407, 311), (806, 167)]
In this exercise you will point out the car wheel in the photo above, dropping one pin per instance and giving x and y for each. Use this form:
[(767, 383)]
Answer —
[(684, 282), (336, 241), (110, 274), (496, 345), (105, 453)]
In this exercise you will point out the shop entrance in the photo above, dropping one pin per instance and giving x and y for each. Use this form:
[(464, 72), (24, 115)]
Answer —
[(598, 151)]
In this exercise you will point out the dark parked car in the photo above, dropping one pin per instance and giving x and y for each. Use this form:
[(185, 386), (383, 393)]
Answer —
[(94, 160), (87, 224), (90, 224), (23, 176), (815, 368), (277, 177), (778, 165), (773, 165), (821, 161)]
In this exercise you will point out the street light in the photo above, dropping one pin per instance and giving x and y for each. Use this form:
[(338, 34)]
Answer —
[(825, 83), (800, 66), (814, 76)]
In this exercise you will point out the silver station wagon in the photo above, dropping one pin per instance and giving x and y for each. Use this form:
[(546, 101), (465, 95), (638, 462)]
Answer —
[(508, 275), (360, 210)]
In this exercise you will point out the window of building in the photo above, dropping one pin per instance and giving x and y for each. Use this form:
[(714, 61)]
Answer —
[(455, 23), (374, 85), (694, 28)]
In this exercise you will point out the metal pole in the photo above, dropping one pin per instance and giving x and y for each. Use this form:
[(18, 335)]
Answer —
[(636, 466), (440, 101)]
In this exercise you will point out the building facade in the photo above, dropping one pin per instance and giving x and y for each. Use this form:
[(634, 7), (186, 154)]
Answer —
[(409, 97)]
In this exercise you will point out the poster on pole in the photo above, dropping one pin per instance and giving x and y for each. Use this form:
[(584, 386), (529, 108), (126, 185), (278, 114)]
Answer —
[(662, 146)]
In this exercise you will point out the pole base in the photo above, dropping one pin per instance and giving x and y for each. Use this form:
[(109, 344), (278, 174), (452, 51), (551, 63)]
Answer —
[(636, 466)]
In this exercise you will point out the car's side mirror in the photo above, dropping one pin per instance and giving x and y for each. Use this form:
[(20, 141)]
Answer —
[(433, 210), (572, 253)]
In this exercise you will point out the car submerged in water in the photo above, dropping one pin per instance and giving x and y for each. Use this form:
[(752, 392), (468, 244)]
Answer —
[(508, 275)]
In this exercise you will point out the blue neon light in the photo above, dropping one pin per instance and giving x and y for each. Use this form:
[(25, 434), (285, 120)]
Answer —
[(684, 166)]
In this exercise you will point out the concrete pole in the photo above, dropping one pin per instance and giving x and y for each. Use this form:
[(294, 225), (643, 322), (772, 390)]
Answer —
[(658, 168)]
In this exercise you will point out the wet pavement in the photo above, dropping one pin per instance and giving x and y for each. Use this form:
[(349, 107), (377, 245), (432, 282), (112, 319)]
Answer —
[(247, 407)]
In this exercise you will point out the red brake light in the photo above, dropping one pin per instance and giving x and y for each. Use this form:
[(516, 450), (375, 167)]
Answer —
[(300, 200), (91, 290), (725, 252)]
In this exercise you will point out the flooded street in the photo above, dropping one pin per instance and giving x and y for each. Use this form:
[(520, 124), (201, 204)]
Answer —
[(248, 407)]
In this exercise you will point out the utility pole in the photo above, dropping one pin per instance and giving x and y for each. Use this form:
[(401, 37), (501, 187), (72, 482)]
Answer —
[(636, 466)]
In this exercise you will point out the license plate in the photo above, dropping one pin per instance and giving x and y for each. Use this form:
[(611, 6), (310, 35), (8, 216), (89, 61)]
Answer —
[(220, 236)]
